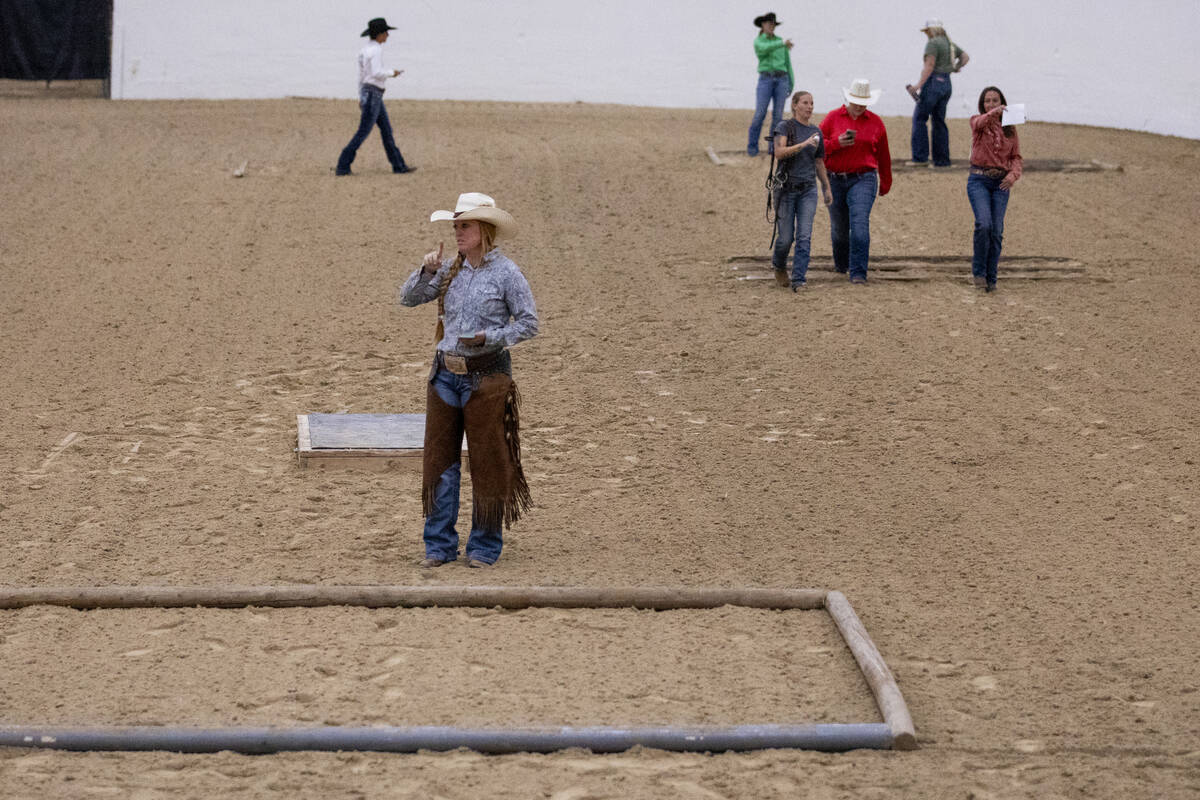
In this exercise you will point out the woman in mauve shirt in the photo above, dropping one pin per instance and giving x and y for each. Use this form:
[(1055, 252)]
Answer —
[(995, 167)]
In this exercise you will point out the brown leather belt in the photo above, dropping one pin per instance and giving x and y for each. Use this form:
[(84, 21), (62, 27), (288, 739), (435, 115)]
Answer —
[(463, 365)]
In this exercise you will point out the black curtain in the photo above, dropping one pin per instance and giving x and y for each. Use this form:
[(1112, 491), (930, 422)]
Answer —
[(55, 40)]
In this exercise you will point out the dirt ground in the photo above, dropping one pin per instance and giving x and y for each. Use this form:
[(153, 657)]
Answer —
[(1004, 485)]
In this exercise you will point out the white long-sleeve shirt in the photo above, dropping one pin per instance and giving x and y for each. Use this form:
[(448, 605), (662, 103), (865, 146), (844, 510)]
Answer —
[(370, 66)]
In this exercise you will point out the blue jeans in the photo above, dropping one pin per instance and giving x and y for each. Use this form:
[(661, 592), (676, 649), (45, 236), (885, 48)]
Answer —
[(370, 100), (794, 221), (935, 96), (989, 202), (773, 91), (850, 220), (441, 538)]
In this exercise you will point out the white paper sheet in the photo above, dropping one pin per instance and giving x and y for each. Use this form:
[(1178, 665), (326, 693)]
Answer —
[(1014, 114)]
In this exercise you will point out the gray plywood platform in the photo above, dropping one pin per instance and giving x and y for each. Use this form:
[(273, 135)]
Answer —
[(371, 441)]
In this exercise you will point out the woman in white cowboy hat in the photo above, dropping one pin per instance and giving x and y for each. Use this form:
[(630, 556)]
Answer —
[(932, 93), (485, 306), (859, 166)]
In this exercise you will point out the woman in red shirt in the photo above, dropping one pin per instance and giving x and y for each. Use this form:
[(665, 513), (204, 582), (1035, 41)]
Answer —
[(859, 165), (995, 167)]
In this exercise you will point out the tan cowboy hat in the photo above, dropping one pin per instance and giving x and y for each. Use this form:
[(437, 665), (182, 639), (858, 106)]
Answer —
[(860, 93), (474, 205), (932, 22)]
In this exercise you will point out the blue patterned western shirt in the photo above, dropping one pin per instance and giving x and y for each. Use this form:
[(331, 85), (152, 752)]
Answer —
[(493, 299)]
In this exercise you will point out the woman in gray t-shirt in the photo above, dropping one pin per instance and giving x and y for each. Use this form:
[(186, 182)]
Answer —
[(801, 153)]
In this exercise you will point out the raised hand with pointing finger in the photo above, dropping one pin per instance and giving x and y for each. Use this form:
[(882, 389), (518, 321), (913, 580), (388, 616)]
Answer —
[(433, 259)]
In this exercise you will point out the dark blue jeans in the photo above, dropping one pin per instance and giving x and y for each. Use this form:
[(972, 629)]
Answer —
[(794, 222), (850, 220), (441, 538), (935, 96), (989, 202), (772, 91), (370, 100)]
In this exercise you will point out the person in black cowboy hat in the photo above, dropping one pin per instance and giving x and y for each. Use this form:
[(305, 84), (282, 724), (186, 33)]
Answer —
[(371, 78), (774, 79)]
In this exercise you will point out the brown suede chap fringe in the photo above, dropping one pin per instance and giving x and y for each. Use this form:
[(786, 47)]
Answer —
[(492, 425)]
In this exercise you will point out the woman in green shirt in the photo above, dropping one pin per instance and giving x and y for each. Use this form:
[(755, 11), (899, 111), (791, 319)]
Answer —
[(774, 79)]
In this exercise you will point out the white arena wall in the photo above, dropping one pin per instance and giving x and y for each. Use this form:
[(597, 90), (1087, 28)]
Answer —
[(1107, 63)]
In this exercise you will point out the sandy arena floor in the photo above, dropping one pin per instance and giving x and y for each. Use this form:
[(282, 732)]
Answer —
[(1005, 486)]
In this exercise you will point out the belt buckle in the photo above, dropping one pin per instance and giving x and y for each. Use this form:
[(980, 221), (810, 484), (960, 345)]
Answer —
[(456, 364)]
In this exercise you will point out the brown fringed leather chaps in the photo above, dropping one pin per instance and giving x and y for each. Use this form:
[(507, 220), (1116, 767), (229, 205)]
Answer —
[(492, 425)]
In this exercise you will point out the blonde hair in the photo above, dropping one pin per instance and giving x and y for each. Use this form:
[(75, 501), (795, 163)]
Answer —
[(487, 238)]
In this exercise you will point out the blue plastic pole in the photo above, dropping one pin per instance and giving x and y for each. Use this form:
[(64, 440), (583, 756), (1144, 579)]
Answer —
[(827, 737)]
